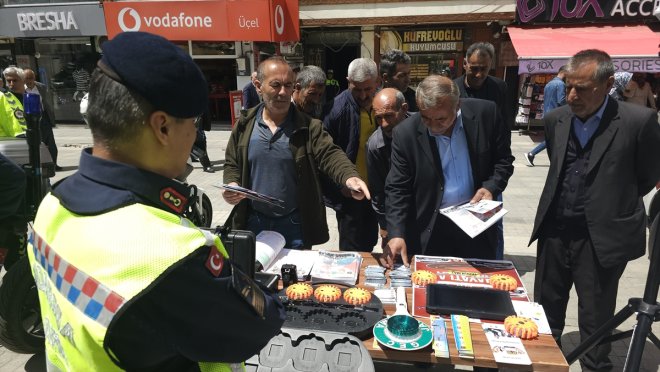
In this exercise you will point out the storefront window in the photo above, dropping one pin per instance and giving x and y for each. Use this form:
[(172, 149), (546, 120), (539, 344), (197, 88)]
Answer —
[(432, 49), (65, 65), (213, 48)]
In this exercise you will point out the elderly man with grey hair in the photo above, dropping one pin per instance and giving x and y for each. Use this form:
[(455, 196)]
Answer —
[(308, 91), (12, 120), (453, 151), (15, 78), (350, 122)]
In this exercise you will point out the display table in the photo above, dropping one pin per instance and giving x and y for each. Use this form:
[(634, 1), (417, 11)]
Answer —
[(543, 351)]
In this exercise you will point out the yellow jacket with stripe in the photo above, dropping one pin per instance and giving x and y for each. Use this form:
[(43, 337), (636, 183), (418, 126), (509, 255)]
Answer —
[(125, 282)]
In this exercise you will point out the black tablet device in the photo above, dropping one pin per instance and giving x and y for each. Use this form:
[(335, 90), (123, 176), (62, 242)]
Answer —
[(481, 303)]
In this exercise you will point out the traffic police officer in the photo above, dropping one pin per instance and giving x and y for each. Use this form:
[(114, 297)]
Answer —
[(126, 282), (12, 118)]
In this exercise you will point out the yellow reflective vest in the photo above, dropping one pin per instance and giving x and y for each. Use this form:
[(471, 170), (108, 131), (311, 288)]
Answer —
[(86, 272), (12, 117)]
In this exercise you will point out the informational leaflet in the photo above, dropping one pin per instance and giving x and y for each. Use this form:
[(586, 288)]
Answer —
[(505, 347), (475, 218), (271, 255), (252, 195), (338, 267), (535, 312), (468, 272)]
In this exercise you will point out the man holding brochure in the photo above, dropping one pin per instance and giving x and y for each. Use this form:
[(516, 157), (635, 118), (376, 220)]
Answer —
[(451, 152), (277, 151)]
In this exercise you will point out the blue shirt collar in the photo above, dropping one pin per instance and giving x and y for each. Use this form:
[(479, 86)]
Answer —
[(598, 115)]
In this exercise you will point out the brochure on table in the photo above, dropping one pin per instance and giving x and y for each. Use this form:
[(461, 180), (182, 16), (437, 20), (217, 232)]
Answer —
[(505, 347), (271, 254), (466, 272), (337, 267), (475, 218)]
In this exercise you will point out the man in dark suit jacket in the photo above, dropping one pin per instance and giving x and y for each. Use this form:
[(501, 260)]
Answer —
[(250, 95), (590, 220), (477, 83), (452, 151)]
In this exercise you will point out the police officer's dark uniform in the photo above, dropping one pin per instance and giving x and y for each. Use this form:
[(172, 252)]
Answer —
[(192, 315)]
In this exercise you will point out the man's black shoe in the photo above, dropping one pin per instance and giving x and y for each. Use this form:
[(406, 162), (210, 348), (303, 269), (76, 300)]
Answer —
[(209, 170), (530, 159)]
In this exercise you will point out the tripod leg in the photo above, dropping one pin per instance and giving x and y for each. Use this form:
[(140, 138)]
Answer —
[(601, 332), (654, 339), (637, 342)]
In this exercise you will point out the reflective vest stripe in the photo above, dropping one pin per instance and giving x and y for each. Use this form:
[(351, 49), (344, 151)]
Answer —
[(92, 298)]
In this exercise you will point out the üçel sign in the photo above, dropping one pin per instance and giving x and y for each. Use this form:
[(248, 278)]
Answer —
[(549, 66), (207, 20), (49, 21)]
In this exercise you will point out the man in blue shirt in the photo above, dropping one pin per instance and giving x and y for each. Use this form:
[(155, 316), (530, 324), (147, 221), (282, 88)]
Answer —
[(554, 95), (452, 151)]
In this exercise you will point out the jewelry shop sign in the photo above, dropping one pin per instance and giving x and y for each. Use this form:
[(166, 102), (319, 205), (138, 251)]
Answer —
[(432, 41)]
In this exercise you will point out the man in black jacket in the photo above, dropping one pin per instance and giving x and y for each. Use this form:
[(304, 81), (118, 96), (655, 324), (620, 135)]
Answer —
[(590, 220), (452, 151)]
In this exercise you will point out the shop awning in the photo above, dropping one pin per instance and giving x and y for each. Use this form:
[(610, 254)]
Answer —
[(544, 50), (207, 20)]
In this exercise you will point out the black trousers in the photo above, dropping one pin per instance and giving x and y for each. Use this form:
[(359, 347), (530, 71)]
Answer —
[(447, 239), (565, 256), (47, 136), (358, 226)]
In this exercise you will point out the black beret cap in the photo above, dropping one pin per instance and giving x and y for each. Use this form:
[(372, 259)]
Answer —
[(159, 71)]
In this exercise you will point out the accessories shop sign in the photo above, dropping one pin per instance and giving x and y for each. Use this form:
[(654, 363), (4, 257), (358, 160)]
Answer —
[(52, 21), (581, 11), (548, 66)]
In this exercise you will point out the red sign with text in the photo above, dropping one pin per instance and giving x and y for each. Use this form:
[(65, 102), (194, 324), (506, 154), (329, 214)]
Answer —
[(212, 20)]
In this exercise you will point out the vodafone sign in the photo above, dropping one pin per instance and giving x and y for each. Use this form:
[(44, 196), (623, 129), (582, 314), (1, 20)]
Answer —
[(218, 20)]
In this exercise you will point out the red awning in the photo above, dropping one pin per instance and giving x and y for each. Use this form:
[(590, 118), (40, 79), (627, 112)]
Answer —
[(544, 50)]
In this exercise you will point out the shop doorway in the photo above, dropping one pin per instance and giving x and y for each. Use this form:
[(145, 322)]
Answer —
[(221, 77)]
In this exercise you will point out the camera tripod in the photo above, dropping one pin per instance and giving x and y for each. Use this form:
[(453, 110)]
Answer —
[(647, 308)]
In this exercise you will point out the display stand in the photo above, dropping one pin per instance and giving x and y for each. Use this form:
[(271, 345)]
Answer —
[(530, 102)]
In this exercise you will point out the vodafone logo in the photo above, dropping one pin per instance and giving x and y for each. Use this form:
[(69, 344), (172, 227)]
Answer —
[(166, 20), (132, 13), (279, 19)]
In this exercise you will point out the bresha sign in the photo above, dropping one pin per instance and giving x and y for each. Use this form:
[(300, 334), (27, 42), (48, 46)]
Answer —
[(52, 21), (46, 21), (209, 20)]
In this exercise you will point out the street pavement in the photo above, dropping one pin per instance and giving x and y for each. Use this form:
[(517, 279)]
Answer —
[(520, 199)]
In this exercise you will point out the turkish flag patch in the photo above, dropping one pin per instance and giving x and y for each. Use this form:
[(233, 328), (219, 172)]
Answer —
[(215, 262)]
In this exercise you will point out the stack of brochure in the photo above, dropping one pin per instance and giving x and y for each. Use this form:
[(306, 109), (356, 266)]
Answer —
[(337, 267)]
